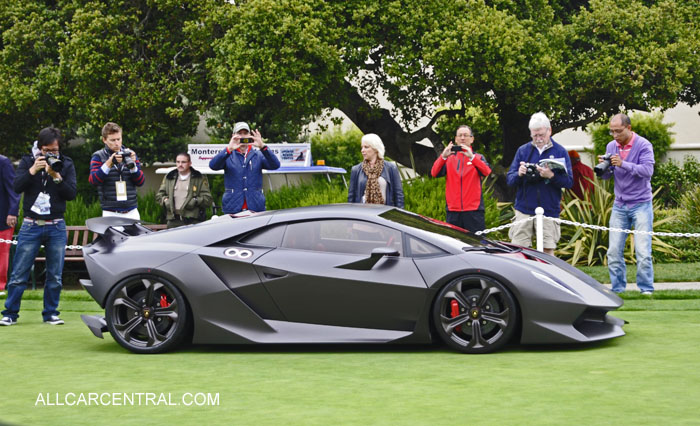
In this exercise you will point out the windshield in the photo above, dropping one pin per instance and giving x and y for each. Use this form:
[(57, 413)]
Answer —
[(449, 234)]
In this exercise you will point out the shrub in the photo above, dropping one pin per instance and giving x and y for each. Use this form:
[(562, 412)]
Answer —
[(586, 246), (650, 126), (337, 148), (673, 180)]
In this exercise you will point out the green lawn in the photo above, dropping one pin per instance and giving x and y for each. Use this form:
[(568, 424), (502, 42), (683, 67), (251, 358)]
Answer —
[(663, 272), (650, 376)]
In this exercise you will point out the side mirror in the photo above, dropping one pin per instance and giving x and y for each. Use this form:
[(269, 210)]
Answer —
[(367, 264)]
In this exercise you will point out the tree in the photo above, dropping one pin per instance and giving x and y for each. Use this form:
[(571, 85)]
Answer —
[(574, 60), (77, 64)]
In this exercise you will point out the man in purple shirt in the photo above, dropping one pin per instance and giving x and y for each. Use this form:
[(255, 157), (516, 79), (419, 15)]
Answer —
[(632, 164)]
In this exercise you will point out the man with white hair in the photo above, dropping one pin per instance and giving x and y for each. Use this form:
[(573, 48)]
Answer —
[(540, 170), (243, 167)]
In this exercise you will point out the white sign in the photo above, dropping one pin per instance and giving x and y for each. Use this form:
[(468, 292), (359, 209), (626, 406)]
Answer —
[(292, 154), (289, 154)]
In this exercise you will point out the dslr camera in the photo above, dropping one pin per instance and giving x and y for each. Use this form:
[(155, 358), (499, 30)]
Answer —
[(54, 161), (532, 174), (603, 166), (126, 158)]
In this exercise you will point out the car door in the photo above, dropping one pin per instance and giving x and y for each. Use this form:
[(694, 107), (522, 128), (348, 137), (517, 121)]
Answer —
[(312, 280)]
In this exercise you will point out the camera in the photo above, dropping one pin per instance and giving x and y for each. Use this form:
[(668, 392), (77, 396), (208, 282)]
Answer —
[(456, 148), (603, 166), (54, 161), (126, 158), (245, 140), (532, 174)]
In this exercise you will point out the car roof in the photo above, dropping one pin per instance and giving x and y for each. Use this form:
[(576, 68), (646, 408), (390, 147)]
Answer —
[(344, 210)]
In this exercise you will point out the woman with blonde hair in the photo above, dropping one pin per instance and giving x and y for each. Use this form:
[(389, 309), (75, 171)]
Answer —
[(375, 181)]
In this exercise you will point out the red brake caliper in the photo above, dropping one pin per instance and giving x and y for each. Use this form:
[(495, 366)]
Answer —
[(164, 301), (454, 311)]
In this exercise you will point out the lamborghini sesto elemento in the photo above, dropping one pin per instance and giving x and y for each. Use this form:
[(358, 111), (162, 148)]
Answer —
[(343, 273)]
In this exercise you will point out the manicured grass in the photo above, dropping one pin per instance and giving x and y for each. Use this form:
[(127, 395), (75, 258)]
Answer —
[(663, 272), (652, 375)]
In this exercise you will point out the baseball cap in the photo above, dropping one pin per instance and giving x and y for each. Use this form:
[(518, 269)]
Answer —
[(241, 125)]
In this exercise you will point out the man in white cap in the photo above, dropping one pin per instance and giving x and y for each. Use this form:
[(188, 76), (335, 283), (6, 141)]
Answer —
[(243, 160)]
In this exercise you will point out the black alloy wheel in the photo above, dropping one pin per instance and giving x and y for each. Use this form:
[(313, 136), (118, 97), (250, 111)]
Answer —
[(146, 314), (475, 314)]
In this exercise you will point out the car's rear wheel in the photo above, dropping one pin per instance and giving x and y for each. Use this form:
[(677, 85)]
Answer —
[(475, 314), (146, 314)]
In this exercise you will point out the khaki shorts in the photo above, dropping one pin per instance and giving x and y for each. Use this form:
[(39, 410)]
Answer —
[(523, 233)]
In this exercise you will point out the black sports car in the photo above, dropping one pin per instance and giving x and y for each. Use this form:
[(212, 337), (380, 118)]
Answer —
[(343, 273)]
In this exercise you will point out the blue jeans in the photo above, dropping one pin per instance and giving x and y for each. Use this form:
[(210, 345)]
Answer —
[(31, 236), (641, 218)]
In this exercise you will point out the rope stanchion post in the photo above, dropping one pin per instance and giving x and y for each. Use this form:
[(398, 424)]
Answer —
[(539, 228)]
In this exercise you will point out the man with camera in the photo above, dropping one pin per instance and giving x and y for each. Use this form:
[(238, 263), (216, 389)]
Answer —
[(630, 159), (116, 172), (46, 191), (184, 193), (464, 169), (540, 171), (243, 167)]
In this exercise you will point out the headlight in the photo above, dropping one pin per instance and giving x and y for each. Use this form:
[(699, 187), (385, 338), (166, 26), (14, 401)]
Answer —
[(551, 281)]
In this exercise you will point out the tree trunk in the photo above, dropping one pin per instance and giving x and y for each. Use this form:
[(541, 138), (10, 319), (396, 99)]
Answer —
[(399, 144)]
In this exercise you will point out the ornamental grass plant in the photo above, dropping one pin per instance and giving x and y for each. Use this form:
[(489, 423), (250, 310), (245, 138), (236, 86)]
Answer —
[(589, 246)]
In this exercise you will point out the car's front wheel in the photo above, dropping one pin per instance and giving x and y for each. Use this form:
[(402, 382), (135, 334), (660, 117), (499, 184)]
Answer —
[(146, 314), (475, 314)]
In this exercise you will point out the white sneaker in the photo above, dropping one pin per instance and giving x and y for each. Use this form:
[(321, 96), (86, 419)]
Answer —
[(647, 293), (54, 320), (7, 321)]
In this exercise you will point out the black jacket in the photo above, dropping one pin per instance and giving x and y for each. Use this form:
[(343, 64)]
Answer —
[(42, 181)]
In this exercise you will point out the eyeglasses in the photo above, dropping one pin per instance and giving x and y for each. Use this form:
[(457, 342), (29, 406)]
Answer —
[(44, 150), (616, 131), (538, 135)]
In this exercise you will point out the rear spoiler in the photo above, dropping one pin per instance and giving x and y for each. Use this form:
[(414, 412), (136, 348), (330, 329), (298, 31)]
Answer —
[(116, 229)]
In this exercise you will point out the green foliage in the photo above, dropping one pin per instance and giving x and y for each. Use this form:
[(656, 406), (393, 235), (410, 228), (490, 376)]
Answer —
[(77, 64), (586, 246), (337, 148), (317, 193), (149, 209), (672, 180), (425, 196), (690, 202), (79, 210), (154, 66), (484, 125), (649, 126), (681, 220)]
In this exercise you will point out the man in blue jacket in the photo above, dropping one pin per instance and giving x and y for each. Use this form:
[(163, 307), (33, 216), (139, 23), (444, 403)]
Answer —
[(9, 209), (243, 165), (540, 170)]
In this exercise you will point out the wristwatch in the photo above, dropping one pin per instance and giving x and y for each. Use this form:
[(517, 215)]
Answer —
[(57, 180)]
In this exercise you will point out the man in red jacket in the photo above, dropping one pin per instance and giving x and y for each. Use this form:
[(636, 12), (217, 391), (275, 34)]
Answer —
[(583, 177), (464, 169)]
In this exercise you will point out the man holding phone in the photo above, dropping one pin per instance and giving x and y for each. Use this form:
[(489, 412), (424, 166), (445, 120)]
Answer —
[(464, 170), (243, 161)]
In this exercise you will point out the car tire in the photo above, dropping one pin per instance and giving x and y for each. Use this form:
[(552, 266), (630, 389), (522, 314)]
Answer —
[(146, 314), (475, 314)]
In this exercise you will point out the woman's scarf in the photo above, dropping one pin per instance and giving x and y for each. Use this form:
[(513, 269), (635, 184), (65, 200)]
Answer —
[(373, 193)]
